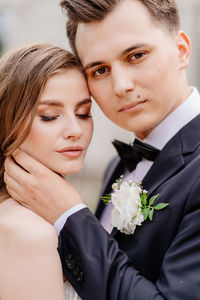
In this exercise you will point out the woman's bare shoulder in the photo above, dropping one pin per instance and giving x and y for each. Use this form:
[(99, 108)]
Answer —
[(20, 223), (28, 255)]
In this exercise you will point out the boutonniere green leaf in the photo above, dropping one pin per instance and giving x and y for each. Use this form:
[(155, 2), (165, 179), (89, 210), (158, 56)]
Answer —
[(147, 205)]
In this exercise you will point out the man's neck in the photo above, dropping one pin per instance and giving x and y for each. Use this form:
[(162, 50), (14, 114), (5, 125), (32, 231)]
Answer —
[(187, 92)]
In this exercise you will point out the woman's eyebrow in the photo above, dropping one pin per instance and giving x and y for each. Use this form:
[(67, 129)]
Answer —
[(51, 103), (84, 101), (60, 104)]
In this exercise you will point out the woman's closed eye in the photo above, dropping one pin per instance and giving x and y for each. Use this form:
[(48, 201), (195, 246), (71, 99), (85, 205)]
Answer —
[(84, 111), (49, 118), (84, 116)]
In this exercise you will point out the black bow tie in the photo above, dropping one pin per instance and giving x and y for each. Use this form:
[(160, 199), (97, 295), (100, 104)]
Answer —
[(132, 155)]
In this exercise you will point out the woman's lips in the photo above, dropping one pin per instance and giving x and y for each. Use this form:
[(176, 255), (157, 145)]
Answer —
[(132, 106), (71, 152)]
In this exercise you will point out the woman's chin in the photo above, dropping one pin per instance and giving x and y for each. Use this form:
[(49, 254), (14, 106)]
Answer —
[(69, 171), (66, 169)]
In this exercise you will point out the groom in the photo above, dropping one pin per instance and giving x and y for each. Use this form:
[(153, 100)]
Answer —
[(134, 55)]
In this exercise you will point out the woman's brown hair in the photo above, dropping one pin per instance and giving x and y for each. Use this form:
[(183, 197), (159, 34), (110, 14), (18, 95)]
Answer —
[(23, 74)]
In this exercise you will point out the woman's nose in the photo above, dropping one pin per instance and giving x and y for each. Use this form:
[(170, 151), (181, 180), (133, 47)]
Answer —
[(72, 129)]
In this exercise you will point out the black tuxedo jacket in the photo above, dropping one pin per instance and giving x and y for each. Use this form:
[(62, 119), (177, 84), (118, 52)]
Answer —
[(161, 260)]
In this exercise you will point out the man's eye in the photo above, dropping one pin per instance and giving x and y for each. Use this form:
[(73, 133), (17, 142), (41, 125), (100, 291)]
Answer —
[(100, 71), (45, 118), (136, 56)]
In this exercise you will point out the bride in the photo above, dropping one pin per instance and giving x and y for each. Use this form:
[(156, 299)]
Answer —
[(44, 110)]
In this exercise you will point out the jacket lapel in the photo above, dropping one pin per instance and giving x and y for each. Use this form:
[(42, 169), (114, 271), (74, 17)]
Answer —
[(174, 156), (169, 162)]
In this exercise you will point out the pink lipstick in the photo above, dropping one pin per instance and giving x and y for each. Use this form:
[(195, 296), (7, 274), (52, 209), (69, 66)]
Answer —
[(71, 152)]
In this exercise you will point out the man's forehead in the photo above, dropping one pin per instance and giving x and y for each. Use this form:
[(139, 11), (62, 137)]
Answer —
[(129, 25)]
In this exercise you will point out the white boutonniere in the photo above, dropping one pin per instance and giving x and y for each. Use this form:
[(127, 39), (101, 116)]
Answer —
[(131, 205)]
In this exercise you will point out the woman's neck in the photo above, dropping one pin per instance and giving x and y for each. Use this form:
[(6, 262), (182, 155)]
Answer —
[(3, 194)]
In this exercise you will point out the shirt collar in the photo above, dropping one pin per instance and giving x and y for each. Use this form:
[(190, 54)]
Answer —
[(182, 115)]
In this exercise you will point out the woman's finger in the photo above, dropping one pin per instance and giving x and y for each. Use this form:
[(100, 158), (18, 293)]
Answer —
[(27, 162)]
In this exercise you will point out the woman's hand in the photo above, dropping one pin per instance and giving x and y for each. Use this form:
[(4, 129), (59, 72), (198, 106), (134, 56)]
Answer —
[(38, 188)]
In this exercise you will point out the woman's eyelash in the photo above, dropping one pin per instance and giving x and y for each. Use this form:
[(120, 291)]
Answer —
[(84, 116), (45, 118), (81, 116)]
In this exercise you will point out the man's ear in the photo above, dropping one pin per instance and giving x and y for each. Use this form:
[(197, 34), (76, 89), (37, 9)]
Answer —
[(184, 49)]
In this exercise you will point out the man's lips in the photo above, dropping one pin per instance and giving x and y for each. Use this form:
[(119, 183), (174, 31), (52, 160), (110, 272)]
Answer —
[(132, 106), (71, 152)]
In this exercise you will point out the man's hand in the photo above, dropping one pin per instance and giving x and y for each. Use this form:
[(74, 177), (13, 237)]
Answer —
[(38, 188)]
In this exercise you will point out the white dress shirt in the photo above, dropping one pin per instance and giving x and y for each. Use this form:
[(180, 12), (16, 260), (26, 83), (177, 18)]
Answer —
[(158, 138)]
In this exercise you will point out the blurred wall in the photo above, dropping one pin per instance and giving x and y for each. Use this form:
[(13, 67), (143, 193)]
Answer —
[(27, 21)]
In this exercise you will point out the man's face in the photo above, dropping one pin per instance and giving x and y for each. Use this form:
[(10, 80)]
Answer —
[(135, 67)]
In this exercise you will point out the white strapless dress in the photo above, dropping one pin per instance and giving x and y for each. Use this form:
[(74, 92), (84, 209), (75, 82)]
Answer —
[(70, 292)]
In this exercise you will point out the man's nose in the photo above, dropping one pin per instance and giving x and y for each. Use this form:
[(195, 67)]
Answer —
[(72, 128), (122, 80)]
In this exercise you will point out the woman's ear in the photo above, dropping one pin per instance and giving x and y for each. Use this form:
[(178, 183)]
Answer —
[(184, 49)]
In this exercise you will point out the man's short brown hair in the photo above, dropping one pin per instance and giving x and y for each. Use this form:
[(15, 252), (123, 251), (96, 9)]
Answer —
[(86, 11)]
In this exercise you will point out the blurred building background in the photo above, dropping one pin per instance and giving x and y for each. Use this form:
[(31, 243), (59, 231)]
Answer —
[(27, 21)]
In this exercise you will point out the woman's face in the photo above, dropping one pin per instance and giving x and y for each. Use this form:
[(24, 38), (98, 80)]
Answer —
[(62, 127)]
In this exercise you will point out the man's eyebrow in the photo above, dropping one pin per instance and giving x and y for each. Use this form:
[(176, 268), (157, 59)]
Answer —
[(98, 63), (135, 47), (93, 64)]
